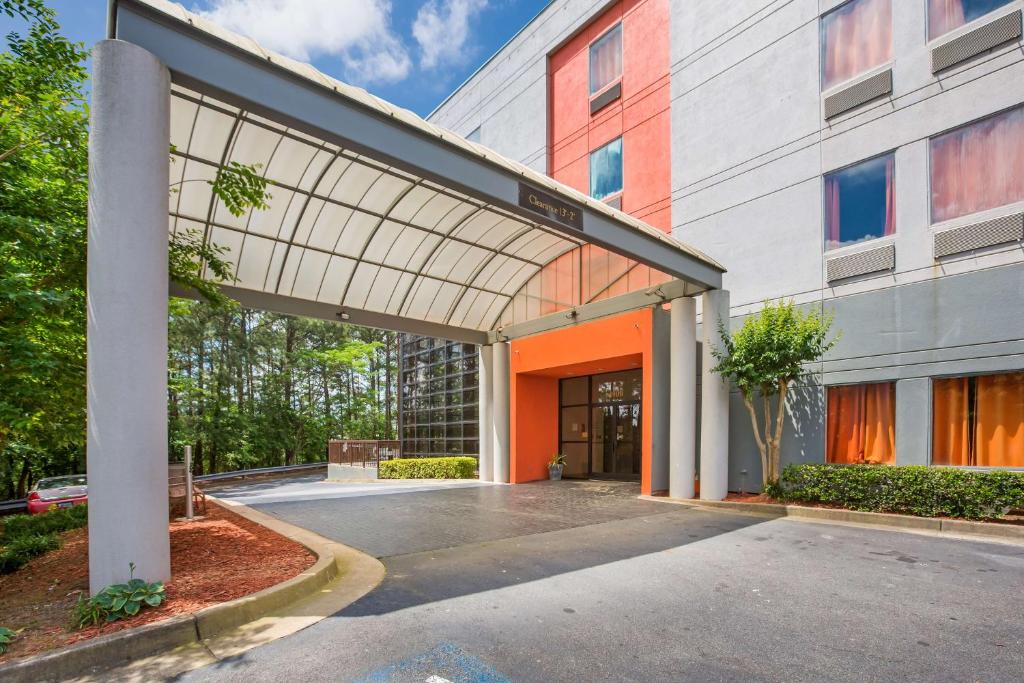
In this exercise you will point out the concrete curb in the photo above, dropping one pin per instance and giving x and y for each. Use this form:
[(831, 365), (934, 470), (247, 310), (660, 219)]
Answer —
[(986, 531), (214, 625)]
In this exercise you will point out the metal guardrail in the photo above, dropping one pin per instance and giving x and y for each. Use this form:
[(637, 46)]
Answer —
[(8, 507), (237, 474)]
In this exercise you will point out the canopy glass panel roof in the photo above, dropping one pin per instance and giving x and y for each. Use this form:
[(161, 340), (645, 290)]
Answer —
[(373, 209)]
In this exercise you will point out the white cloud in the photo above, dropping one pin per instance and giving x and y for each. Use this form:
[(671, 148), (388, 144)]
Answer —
[(358, 32), (442, 29)]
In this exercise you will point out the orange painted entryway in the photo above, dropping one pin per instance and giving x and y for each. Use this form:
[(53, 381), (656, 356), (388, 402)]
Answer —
[(538, 363)]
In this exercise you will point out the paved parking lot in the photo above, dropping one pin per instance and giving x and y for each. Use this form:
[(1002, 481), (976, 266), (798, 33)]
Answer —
[(583, 581)]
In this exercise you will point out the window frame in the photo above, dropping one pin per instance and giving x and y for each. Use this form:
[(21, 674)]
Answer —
[(887, 64), (895, 408), (967, 218), (592, 94), (966, 27), (824, 205), (931, 419), (622, 171)]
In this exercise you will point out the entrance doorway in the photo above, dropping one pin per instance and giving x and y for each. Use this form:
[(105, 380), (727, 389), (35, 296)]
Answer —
[(599, 425)]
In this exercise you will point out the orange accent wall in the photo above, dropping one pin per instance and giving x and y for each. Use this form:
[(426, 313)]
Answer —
[(538, 363), (641, 117)]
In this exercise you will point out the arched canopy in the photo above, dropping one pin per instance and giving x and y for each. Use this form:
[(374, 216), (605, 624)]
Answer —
[(376, 216)]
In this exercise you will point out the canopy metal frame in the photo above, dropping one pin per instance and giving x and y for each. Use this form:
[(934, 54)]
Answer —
[(254, 94)]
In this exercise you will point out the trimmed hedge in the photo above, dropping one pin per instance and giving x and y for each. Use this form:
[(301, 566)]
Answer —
[(428, 468), (908, 490)]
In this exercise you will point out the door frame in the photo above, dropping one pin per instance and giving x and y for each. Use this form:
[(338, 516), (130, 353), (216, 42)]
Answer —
[(590, 405)]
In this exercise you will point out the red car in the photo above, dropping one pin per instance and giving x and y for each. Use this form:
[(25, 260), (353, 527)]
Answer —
[(52, 493)]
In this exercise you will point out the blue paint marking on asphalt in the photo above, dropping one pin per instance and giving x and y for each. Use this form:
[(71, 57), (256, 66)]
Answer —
[(445, 662)]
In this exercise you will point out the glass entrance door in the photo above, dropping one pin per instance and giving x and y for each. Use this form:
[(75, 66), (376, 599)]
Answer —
[(600, 430), (615, 449)]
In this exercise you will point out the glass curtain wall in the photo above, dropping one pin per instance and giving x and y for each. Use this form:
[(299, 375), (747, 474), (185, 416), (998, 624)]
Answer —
[(440, 398)]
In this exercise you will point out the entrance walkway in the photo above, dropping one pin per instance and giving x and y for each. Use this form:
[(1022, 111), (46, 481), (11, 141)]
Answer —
[(582, 581)]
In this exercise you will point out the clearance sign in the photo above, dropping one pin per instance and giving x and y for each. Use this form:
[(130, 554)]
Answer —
[(550, 207)]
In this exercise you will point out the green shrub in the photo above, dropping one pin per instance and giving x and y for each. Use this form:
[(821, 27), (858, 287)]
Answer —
[(22, 549), (119, 601), (428, 468), (53, 522), (6, 636), (909, 490)]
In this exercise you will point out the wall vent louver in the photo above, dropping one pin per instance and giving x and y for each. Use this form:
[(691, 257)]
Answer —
[(978, 235), (859, 93), (861, 263), (981, 39)]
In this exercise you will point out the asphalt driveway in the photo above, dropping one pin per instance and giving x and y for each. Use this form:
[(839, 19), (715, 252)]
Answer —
[(585, 582)]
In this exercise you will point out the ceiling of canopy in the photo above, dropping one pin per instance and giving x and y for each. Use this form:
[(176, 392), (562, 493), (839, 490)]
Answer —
[(347, 226)]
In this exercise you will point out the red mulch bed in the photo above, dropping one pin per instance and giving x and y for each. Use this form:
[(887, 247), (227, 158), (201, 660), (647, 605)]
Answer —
[(214, 559)]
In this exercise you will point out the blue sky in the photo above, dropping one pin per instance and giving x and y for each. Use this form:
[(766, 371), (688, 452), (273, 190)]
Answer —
[(410, 52)]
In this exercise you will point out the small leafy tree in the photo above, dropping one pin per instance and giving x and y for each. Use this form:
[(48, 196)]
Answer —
[(767, 355)]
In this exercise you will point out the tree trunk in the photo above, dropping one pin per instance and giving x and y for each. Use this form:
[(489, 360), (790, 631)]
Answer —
[(761, 446)]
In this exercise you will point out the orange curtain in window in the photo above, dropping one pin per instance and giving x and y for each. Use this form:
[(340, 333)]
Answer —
[(1000, 420), (950, 433), (861, 424)]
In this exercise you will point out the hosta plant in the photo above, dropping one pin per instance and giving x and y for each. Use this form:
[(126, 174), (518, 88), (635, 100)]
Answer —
[(119, 601), (6, 636)]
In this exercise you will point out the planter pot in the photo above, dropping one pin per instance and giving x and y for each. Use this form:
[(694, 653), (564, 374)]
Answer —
[(555, 472)]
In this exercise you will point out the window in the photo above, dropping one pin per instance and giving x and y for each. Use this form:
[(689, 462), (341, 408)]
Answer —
[(606, 170), (861, 424), (860, 202), (606, 59), (946, 15), (978, 421), (978, 167), (855, 37)]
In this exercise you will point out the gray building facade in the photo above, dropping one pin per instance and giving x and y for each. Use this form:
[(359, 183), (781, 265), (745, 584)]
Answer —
[(756, 137)]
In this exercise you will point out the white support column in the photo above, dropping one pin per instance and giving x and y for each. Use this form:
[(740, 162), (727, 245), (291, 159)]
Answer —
[(485, 372), (127, 315), (683, 398), (500, 408), (714, 401)]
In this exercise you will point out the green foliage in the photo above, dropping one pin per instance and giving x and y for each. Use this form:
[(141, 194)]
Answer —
[(909, 490), (240, 188), (428, 468), (27, 536), (43, 215), (251, 389), (19, 551), (772, 347), (43, 205), (556, 460), (6, 636), (766, 356), (119, 601), (53, 522)]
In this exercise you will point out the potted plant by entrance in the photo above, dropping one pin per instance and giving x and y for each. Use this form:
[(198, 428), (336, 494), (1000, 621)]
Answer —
[(555, 466)]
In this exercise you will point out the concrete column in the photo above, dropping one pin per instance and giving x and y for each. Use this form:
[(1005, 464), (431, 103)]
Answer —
[(486, 415), (127, 315), (683, 398), (913, 421), (714, 401), (500, 411)]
